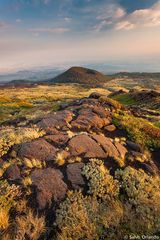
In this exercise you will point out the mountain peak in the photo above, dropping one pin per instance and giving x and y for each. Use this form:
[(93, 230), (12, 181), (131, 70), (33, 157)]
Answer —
[(81, 75)]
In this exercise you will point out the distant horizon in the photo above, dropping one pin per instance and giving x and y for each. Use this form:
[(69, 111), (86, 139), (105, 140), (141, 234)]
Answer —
[(109, 67), (47, 72)]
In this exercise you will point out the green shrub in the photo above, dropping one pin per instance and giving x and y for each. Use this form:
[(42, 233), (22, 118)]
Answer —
[(125, 99)]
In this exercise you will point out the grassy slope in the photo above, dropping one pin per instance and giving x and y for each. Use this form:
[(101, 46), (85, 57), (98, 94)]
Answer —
[(18, 103)]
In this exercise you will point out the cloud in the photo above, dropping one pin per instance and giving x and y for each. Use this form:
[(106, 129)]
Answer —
[(49, 30), (112, 11), (141, 18), (124, 25), (108, 15)]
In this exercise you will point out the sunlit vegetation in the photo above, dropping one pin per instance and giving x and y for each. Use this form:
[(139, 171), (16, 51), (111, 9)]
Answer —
[(114, 206), (10, 136), (8, 196), (134, 209), (111, 102), (125, 99), (32, 102), (138, 129), (116, 197)]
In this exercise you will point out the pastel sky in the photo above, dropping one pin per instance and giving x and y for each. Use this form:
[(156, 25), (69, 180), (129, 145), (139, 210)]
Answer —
[(50, 32)]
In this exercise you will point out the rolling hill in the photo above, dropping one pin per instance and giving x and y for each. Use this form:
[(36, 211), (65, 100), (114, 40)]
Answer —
[(82, 76)]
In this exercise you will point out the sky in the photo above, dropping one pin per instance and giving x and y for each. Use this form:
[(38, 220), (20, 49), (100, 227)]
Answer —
[(36, 33)]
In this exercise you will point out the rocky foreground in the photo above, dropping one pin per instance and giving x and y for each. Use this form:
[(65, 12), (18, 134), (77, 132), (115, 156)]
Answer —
[(83, 159)]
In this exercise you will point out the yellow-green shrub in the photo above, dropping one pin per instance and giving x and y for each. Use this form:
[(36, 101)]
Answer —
[(10, 136), (86, 218), (142, 193), (138, 129), (111, 102), (8, 194), (100, 182)]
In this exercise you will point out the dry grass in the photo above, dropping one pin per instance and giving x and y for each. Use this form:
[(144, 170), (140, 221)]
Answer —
[(30, 226), (14, 104)]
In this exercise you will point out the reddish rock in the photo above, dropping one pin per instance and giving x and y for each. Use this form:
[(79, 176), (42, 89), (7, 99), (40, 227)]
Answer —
[(101, 112), (86, 120), (90, 101), (110, 128), (58, 139), (107, 121), (38, 149), (85, 146), (13, 173), (74, 175), (55, 120), (108, 146), (49, 186), (121, 149)]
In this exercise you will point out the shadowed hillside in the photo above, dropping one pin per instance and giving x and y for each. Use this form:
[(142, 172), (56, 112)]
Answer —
[(82, 76)]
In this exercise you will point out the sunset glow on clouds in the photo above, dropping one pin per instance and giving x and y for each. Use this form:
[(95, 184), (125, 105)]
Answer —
[(41, 32)]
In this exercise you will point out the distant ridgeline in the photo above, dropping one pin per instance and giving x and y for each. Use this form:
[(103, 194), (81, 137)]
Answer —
[(140, 75)]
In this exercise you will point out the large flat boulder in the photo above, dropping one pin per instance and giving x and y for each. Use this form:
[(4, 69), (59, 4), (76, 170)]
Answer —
[(87, 120), (108, 146), (39, 149), (49, 186), (114, 150), (57, 139), (55, 120), (85, 146)]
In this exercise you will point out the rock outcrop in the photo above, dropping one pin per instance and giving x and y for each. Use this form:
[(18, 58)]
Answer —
[(81, 130)]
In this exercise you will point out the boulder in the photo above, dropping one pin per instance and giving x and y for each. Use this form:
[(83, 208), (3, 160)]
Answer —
[(110, 128), (121, 149), (13, 173), (133, 146), (87, 119), (38, 149), (49, 186), (57, 139), (90, 101), (74, 175), (101, 112), (85, 146), (108, 146), (55, 120)]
